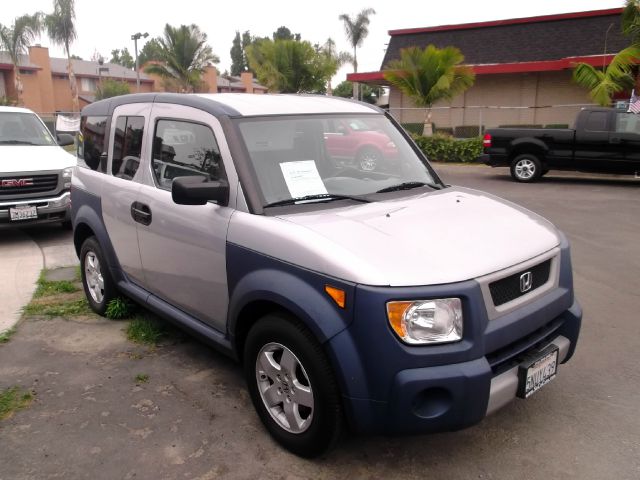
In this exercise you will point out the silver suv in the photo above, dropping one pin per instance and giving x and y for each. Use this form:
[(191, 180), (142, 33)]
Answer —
[(308, 238)]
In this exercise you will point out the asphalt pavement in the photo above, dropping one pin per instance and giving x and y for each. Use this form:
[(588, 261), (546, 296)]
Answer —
[(193, 418)]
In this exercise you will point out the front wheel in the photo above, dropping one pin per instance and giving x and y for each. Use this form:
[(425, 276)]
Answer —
[(98, 285), (292, 386), (526, 168), (369, 159)]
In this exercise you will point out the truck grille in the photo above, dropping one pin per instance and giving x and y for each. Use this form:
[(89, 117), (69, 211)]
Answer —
[(512, 354), (27, 184), (509, 288)]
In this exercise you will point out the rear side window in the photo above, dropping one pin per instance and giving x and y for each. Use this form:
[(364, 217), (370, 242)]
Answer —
[(596, 122), (92, 144), (628, 123), (127, 147), (182, 149)]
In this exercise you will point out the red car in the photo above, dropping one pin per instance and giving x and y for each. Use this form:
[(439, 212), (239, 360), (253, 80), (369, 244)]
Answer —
[(352, 141)]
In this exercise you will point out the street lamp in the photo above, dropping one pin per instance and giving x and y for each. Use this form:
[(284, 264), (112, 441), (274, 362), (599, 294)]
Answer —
[(135, 37)]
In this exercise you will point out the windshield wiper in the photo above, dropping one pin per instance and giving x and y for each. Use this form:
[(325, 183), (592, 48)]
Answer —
[(327, 197), (17, 142), (404, 186)]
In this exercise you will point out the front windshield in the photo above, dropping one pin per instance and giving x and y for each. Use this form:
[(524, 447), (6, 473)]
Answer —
[(17, 128), (321, 155)]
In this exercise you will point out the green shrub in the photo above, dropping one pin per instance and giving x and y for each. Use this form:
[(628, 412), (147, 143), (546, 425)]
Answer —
[(444, 148), (557, 125)]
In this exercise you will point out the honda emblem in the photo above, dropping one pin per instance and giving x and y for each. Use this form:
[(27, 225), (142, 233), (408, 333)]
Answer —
[(526, 282)]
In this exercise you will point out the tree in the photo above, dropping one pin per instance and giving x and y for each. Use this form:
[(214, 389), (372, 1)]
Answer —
[(369, 94), (622, 73), (122, 57), (288, 66), (151, 51), (334, 60), (16, 40), (62, 31), (111, 88), (184, 54), (238, 60), (429, 75), (283, 33), (357, 30)]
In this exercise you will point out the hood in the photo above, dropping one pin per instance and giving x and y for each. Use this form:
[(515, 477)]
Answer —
[(30, 158), (446, 236)]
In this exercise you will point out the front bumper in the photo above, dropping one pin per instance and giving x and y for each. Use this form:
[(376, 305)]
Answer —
[(50, 209)]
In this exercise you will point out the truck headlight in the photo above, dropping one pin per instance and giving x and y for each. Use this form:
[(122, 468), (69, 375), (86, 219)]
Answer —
[(425, 322), (66, 177)]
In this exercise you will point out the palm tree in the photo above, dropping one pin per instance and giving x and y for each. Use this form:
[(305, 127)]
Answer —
[(617, 77), (429, 75), (334, 59), (184, 54), (622, 73), (357, 30), (16, 40), (62, 31)]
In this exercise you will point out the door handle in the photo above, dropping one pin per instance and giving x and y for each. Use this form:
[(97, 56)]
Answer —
[(141, 213)]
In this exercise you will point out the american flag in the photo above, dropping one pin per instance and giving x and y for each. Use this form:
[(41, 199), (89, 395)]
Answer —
[(634, 103)]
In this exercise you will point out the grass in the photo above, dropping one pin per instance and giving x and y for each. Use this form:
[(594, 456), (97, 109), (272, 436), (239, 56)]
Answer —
[(56, 307), (13, 399), (141, 378), (119, 308), (145, 331), (47, 288), (6, 336)]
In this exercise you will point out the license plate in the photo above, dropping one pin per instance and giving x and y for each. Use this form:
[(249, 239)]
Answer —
[(537, 371), (23, 212)]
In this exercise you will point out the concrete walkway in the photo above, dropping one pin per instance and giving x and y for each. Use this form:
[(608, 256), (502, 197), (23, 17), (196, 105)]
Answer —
[(21, 260)]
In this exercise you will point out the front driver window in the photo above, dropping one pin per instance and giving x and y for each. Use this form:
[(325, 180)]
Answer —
[(183, 149)]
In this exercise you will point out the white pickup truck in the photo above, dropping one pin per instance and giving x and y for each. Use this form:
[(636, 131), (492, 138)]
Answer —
[(35, 172)]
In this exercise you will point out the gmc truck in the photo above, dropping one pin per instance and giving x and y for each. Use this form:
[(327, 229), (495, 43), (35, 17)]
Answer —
[(35, 173), (604, 140)]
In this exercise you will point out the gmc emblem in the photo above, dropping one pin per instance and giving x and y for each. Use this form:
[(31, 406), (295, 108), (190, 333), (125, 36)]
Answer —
[(16, 182)]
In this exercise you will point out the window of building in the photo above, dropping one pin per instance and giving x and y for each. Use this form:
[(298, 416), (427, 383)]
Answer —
[(127, 147), (183, 149), (92, 143), (596, 122), (88, 84)]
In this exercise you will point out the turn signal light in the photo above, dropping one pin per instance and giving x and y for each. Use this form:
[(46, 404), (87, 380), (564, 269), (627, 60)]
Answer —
[(338, 295)]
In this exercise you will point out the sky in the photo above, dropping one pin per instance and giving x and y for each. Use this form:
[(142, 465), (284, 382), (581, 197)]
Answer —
[(106, 25)]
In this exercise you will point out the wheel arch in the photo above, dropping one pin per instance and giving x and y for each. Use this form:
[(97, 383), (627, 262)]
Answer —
[(529, 146)]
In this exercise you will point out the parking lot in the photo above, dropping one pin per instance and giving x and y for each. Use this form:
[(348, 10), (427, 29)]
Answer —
[(194, 419)]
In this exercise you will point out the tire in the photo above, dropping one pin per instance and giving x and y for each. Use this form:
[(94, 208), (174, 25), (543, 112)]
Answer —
[(526, 168), (369, 159), (283, 359), (98, 285)]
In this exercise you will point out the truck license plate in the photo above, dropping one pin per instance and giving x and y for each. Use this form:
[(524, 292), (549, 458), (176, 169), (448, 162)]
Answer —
[(536, 372), (23, 212)]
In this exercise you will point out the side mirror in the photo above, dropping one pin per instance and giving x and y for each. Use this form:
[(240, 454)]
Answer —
[(198, 190), (65, 139)]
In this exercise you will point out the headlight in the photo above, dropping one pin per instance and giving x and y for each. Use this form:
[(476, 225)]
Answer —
[(66, 177), (427, 321)]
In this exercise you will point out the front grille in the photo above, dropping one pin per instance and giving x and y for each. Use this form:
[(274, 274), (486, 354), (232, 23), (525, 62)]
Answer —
[(27, 184), (508, 288), (512, 354)]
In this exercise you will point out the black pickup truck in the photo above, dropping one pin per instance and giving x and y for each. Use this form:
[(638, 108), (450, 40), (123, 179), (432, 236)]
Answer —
[(604, 140)]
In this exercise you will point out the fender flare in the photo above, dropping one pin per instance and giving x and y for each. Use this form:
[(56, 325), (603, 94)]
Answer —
[(528, 144)]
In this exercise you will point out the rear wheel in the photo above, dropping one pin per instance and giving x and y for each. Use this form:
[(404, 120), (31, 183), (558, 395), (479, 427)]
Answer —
[(526, 168), (98, 285), (292, 386)]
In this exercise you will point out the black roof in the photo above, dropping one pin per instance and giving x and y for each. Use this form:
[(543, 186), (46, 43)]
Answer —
[(521, 42)]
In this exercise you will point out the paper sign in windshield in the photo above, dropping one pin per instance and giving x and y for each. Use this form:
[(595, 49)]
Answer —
[(302, 178)]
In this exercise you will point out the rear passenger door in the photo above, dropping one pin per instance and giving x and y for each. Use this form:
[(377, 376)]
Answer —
[(596, 148), (627, 131), (121, 184), (183, 247)]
